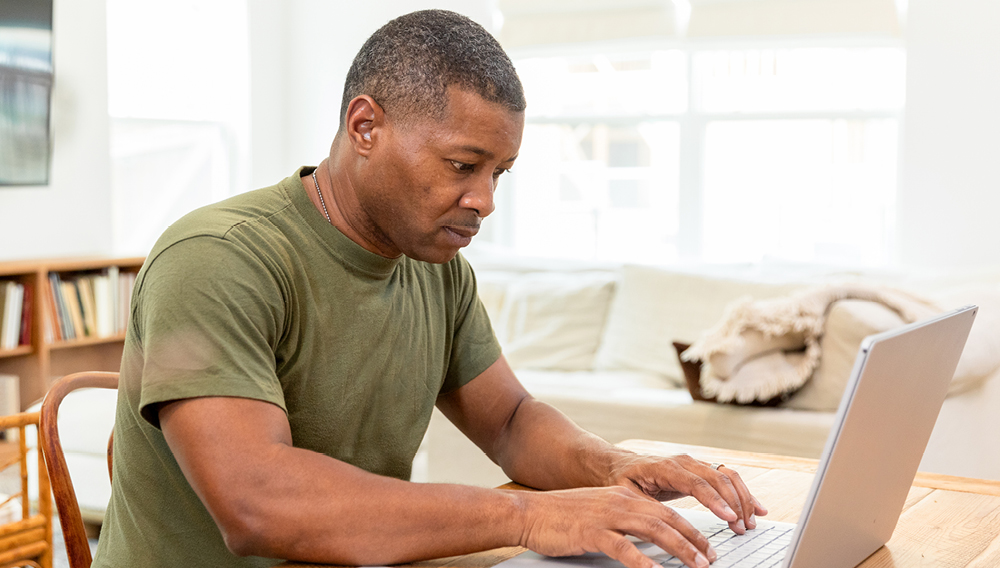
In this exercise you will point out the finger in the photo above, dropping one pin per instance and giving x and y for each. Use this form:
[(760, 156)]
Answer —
[(623, 550), (746, 500), (758, 508), (727, 489), (714, 490), (655, 522), (669, 530)]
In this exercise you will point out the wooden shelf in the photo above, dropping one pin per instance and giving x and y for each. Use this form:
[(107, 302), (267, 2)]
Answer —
[(17, 351), (37, 364), (87, 341)]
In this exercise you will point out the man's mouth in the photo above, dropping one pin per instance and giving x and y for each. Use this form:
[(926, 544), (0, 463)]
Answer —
[(464, 230), (460, 235)]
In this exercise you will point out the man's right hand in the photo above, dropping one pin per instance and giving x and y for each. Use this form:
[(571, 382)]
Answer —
[(574, 521)]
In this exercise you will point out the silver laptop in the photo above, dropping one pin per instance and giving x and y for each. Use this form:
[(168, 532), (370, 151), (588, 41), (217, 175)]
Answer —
[(885, 419)]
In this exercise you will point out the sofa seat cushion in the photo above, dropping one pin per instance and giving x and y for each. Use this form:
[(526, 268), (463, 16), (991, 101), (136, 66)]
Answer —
[(600, 384), (627, 404)]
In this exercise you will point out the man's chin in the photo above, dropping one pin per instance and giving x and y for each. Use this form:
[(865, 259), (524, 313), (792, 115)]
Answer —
[(437, 255)]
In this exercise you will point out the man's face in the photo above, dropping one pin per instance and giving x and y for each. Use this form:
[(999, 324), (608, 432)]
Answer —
[(428, 183)]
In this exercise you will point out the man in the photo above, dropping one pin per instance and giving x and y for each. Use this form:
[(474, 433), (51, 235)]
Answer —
[(287, 346)]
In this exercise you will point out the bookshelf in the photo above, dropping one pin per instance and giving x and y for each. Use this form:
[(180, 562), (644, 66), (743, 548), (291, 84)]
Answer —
[(47, 356)]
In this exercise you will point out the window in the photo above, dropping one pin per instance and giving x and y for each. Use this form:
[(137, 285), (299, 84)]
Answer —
[(713, 155)]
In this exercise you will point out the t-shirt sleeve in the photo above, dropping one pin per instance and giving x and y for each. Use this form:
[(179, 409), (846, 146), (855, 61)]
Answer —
[(474, 346), (208, 317)]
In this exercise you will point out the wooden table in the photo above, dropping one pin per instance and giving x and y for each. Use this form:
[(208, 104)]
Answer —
[(947, 521)]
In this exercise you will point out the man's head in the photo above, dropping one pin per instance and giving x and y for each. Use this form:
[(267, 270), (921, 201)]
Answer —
[(408, 64), (433, 115)]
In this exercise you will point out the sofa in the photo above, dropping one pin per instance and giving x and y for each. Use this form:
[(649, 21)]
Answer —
[(595, 341)]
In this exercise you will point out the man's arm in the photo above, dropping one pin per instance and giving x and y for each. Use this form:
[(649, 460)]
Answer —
[(538, 446), (272, 499)]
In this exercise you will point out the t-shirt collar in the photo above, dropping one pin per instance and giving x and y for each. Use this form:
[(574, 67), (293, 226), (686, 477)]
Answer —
[(335, 241)]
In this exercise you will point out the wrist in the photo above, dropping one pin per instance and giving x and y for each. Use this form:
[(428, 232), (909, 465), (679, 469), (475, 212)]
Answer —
[(613, 462), (517, 523)]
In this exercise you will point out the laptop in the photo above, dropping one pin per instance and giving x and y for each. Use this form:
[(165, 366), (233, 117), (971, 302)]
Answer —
[(884, 421)]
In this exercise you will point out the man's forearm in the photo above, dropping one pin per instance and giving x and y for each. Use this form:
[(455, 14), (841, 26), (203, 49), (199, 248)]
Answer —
[(271, 499), (540, 447), (310, 507)]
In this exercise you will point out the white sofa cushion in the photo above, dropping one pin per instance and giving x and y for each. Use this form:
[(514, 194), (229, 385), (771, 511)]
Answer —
[(847, 324), (620, 405), (982, 350), (655, 307), (554, 320), (850, 321)]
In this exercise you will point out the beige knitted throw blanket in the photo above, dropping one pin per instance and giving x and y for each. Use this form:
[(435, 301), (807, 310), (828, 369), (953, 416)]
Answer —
[(768, 348)]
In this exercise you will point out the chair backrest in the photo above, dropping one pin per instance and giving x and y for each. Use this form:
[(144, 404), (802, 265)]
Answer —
[(77, 546), (27, 541)]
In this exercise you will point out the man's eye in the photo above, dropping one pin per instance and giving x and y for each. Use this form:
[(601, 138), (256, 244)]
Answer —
[(497, 172), (462, 166)]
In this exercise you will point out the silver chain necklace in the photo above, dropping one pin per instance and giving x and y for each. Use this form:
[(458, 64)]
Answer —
[(320, 194)]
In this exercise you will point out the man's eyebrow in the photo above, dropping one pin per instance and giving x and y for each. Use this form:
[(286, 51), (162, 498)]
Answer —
[(483, 152), (476, 150)]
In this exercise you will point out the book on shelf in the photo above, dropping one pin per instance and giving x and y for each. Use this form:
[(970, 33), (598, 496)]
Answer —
[(10, 401), (104, 306), (61, 312), (125, 285), (85, 294), (27, 309), (12, 296), (89, 304), (72, 301), (50, 322)]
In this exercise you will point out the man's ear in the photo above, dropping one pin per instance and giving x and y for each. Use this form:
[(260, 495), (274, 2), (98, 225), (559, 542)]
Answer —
[(365, 118)]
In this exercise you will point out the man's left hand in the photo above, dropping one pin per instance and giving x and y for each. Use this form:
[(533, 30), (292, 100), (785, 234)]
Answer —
[(722, 490)]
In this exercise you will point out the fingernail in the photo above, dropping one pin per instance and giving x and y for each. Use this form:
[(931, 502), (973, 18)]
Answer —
[(741, 526), (700, 561), (752, 522), (762, 507), (712, 554), (729, 511)]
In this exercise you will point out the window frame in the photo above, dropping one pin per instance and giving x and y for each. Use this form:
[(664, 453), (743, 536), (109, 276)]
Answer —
[(693, 124)]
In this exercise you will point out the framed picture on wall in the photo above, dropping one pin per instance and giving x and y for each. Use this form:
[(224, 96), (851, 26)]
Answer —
[(25, 91)]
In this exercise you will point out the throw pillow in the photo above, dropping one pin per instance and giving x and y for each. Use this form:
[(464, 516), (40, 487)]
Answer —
[(554, 320), (654, 307)]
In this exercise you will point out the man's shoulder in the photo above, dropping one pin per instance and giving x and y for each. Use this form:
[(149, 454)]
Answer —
[(224, 219), (217, 233), (219, 219)]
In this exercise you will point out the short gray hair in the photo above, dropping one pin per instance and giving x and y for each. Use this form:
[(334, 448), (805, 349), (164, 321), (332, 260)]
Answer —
[(408, 64)]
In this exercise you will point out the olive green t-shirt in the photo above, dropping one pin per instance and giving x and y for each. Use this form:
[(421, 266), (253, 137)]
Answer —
[(260, 297)]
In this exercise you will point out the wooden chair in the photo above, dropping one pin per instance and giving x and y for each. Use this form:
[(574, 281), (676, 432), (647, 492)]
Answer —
[(27, 542), (77, 546)]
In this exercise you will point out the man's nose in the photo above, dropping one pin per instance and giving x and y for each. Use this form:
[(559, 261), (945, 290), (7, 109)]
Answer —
[(480, 197)]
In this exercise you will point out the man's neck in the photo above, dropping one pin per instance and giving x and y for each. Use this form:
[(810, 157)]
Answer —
[(338, 196)]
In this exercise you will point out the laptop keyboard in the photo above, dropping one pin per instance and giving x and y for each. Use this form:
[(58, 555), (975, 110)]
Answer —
[(759, 548)]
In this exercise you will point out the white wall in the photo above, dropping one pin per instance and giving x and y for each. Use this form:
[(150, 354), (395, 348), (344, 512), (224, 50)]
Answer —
[(949, 197), (180, 111), (300, 51), (949, 194), (72, 216)]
